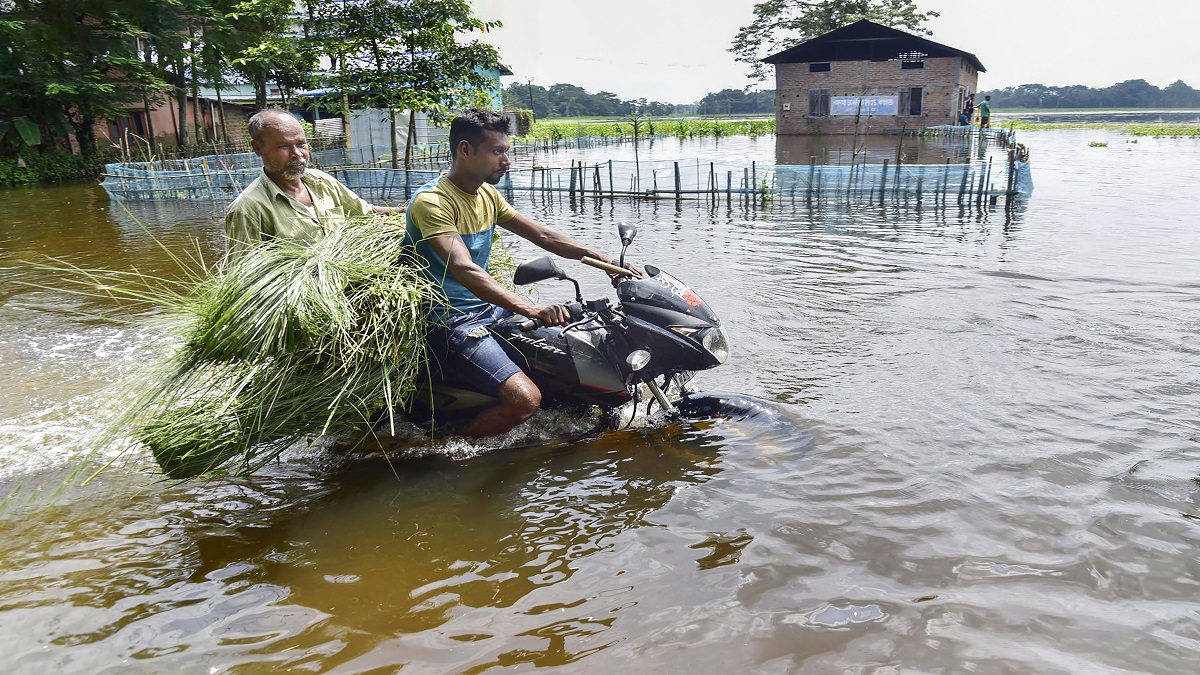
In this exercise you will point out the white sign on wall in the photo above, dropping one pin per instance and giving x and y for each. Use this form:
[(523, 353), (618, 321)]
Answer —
[(862, 105)]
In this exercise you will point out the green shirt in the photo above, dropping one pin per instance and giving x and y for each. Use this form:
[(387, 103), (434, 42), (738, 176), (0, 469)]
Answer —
[(262, 211), (985, 109)]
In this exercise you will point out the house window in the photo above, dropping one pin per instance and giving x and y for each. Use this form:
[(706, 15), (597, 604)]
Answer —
[(818, 67), (912, 65), (910, 101), (818, 102)]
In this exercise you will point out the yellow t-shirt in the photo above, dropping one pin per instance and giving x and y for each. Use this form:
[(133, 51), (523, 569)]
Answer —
[(439, 208)]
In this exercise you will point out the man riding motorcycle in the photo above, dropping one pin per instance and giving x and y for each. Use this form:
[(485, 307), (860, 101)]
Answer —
[(451, 223)]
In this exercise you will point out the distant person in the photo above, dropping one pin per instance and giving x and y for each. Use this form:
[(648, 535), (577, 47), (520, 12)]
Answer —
[(985, 113), (968, 111), (288, 200)]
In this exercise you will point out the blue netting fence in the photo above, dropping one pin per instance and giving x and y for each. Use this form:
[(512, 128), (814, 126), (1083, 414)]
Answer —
[(222, 177)]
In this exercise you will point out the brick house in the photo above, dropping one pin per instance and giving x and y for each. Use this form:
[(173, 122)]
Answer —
[(870, 79)]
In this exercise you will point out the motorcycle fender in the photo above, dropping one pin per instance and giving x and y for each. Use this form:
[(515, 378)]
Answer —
[(593, 369)]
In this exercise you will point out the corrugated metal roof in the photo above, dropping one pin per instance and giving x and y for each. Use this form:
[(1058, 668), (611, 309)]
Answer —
[(867, 41)]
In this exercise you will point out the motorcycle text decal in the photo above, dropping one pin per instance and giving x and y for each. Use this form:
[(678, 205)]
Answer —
[(678, 289)]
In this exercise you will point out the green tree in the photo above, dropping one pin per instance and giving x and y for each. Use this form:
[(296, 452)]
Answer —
[(1179, 95), (1132, 94), (65, 64), (415, 55), (519, 94), (264, 44), (738, 102), (780, 24)]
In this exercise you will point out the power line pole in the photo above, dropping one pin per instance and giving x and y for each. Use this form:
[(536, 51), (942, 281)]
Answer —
[(529, 86)]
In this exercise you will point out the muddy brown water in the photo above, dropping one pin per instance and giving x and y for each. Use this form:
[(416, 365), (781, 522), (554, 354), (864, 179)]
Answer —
[(985, 459)]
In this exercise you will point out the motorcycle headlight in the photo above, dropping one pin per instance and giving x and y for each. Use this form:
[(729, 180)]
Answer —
[(716, 343), (637, 359), (712, 339)]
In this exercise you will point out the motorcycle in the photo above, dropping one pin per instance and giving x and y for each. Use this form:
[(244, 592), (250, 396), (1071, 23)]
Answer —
[(611, 356)]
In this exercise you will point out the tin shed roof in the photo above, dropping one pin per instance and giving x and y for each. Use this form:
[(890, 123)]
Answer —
[(867, 41)]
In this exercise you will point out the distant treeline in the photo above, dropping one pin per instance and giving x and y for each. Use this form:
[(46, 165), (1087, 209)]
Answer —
[(568, 100), (1128, 94)]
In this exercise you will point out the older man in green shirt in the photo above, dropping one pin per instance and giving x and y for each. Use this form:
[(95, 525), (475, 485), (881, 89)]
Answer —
[(289, 200)]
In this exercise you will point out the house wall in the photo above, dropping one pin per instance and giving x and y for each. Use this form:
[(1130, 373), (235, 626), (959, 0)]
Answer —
[(943, 80), (164, 119)]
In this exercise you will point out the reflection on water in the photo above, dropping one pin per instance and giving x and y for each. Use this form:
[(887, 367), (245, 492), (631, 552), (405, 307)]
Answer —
[(983, 459), (845, 150)]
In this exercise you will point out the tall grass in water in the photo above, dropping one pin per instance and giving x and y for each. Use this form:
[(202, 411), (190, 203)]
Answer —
[(557, 131), (285, 343), (1154, 129)]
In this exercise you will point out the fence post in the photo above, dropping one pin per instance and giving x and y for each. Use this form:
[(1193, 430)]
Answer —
[(883, 182), (678, 194)]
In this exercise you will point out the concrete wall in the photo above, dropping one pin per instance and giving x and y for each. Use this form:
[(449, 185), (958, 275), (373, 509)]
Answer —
[(944, 81)]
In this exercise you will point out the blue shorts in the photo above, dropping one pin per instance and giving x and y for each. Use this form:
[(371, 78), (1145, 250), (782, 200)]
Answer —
[(463, 353)]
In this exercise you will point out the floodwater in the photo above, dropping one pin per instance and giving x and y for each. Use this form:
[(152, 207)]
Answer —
[(985, 458)]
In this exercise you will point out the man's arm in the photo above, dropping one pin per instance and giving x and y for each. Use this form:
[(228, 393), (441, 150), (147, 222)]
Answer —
[(451, 248), (551, 240), (352, 204)]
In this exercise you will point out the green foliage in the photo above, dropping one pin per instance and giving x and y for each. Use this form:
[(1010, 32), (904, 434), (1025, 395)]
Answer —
[(413, 55), (780, 24), (30, 134), (58, 166), (418, 55), (737, 102), (568, 100), (258, 38), (76, 60), (1097, 144), (681, 128), (1127, 94), (1154, 129), (524, 121)]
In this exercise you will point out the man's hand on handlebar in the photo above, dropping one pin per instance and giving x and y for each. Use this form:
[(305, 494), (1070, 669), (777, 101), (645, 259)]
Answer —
[(636, 272), (554, 315)]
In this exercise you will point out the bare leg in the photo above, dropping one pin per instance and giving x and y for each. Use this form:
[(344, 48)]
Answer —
[(519, 400)]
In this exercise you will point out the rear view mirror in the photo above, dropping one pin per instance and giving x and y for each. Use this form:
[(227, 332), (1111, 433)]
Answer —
[(538, 269), (627, 232)]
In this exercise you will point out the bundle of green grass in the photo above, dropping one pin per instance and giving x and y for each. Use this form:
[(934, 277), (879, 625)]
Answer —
[(286, 342)]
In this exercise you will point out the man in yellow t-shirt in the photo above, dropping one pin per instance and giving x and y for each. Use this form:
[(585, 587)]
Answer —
[(288, 200), (451, 222)]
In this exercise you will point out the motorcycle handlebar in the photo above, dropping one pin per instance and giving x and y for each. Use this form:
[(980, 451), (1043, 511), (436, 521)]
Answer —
[(574, 309), (600, 264)]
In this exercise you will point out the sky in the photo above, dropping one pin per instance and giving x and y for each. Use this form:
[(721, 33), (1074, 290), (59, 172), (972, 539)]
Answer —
[(675, 51)]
